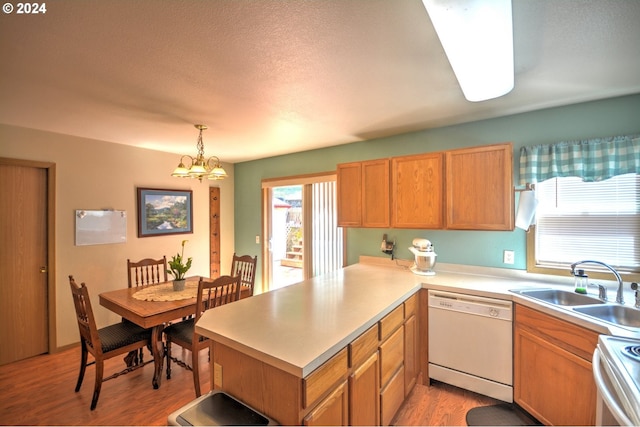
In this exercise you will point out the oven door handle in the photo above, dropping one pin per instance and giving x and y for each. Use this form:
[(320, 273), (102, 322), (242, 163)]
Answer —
[(605, 393)]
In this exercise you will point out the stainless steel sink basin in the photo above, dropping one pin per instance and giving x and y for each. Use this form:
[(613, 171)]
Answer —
[(616, 314), (559, 297)]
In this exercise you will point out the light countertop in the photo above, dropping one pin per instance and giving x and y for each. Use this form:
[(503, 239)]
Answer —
[(299, 327)]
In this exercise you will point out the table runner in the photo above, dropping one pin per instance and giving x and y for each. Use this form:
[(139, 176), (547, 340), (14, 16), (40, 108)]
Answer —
[(165, 292)]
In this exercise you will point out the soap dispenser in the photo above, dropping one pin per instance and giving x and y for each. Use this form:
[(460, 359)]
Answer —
[(581, 282)]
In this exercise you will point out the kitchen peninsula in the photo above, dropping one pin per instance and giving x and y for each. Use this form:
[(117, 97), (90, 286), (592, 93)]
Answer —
[(289, 351), (348, 346)]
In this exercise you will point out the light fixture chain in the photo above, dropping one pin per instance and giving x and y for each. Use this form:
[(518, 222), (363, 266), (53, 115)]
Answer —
[(200, 146)]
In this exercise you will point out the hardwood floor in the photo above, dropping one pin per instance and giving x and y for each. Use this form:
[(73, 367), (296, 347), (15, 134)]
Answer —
[(439, 405), (40, 391)]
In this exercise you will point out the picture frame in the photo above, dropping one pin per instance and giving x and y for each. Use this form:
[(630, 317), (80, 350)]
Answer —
[(163, 212)]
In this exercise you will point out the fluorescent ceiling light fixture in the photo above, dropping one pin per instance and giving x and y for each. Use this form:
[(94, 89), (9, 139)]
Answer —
[(477, 36)]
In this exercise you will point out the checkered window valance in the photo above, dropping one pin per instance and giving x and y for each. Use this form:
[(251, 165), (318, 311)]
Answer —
[(592, 159)]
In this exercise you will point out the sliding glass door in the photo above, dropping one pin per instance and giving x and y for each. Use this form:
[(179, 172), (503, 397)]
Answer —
[(302, 239)]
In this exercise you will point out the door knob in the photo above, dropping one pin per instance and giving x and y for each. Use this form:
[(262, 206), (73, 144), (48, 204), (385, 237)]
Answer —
[(43, 269)]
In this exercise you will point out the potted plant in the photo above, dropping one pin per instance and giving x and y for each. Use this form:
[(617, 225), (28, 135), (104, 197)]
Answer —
[(178, 269)]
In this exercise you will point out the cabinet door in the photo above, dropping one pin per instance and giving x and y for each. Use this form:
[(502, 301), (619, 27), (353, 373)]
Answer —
[(410, 354), (553, 378), (391, 356), (364, 392), (349, 182), (375, 193), (332, 411), (479, 188), (391, 397), (318, 382), (553, 385), (417, 191)]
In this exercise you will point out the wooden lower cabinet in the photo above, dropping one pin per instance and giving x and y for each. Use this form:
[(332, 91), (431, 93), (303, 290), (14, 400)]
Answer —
[(411, 343), (411, 356), (391, 397), (391, 356), (364, 383), (364, 386), (332, 411), (553, 379), (322, 379), (391, 375)]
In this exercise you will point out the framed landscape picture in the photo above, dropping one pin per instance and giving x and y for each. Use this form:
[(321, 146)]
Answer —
[(162, 212)]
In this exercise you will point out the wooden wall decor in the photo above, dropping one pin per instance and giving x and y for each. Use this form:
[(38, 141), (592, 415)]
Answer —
[(214, 230)]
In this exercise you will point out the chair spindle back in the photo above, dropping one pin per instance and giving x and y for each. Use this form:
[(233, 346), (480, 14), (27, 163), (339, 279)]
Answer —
[(147, 271), (245, 267), (217, 292)]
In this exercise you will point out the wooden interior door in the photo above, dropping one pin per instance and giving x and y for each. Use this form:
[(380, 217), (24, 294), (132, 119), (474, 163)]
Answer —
[(23, 262)]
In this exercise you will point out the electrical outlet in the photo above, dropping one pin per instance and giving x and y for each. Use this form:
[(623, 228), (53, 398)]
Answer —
[(508, 257)]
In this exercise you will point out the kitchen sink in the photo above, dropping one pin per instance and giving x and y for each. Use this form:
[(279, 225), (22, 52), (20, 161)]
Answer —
[(616, 314), (560, 297)]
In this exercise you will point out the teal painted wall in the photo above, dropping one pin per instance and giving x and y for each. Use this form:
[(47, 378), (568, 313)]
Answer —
[(615, 116)]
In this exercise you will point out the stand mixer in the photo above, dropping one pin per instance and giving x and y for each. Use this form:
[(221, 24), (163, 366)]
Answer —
[(425, 257)]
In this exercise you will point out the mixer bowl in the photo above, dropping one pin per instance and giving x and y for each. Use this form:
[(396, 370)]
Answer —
[(426, 262)]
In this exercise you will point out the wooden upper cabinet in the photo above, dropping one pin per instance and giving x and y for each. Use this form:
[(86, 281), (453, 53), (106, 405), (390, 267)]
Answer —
[(479, 188), (349, 181), (375, 193), (417, 191), (464, 189), (363, 194)]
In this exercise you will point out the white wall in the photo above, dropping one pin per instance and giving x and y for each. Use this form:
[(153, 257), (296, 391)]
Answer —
[(93, 174)]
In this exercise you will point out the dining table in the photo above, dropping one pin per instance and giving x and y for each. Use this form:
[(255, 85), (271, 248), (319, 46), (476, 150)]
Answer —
[(153, 307)]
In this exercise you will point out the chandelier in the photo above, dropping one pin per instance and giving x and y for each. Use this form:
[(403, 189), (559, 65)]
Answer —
[(200, 167)]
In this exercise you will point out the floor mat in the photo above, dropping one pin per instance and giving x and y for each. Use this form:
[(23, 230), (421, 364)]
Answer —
[(503, 414)]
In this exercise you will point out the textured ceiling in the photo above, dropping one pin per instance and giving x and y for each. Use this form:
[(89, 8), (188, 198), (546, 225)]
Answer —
[(277, 76)]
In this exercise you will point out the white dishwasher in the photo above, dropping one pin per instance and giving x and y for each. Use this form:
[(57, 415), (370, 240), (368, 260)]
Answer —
[(471, 343)]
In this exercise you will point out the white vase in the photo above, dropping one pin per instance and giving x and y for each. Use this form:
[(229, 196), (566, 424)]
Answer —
[(178, 285)]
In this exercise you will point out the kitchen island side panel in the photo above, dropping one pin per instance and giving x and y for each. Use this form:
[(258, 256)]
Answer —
[(267, 389)]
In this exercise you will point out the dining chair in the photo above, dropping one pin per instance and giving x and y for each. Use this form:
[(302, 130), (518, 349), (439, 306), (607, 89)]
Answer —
[(245, 267), (104, 343), (147, 271), (211, 294)]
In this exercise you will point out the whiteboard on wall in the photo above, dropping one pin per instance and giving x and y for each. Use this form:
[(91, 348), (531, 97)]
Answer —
[(100, 227)]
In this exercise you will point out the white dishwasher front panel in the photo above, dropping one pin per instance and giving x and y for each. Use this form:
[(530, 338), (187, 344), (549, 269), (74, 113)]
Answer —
[(471, 336)]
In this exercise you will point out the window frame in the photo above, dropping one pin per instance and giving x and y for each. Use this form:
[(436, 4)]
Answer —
[(560, 269), (594, 271)]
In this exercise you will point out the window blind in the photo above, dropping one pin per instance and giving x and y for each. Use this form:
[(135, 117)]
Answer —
[(579, 220)]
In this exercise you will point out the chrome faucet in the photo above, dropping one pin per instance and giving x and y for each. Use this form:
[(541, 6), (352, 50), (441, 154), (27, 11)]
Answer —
[(619, 293)]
